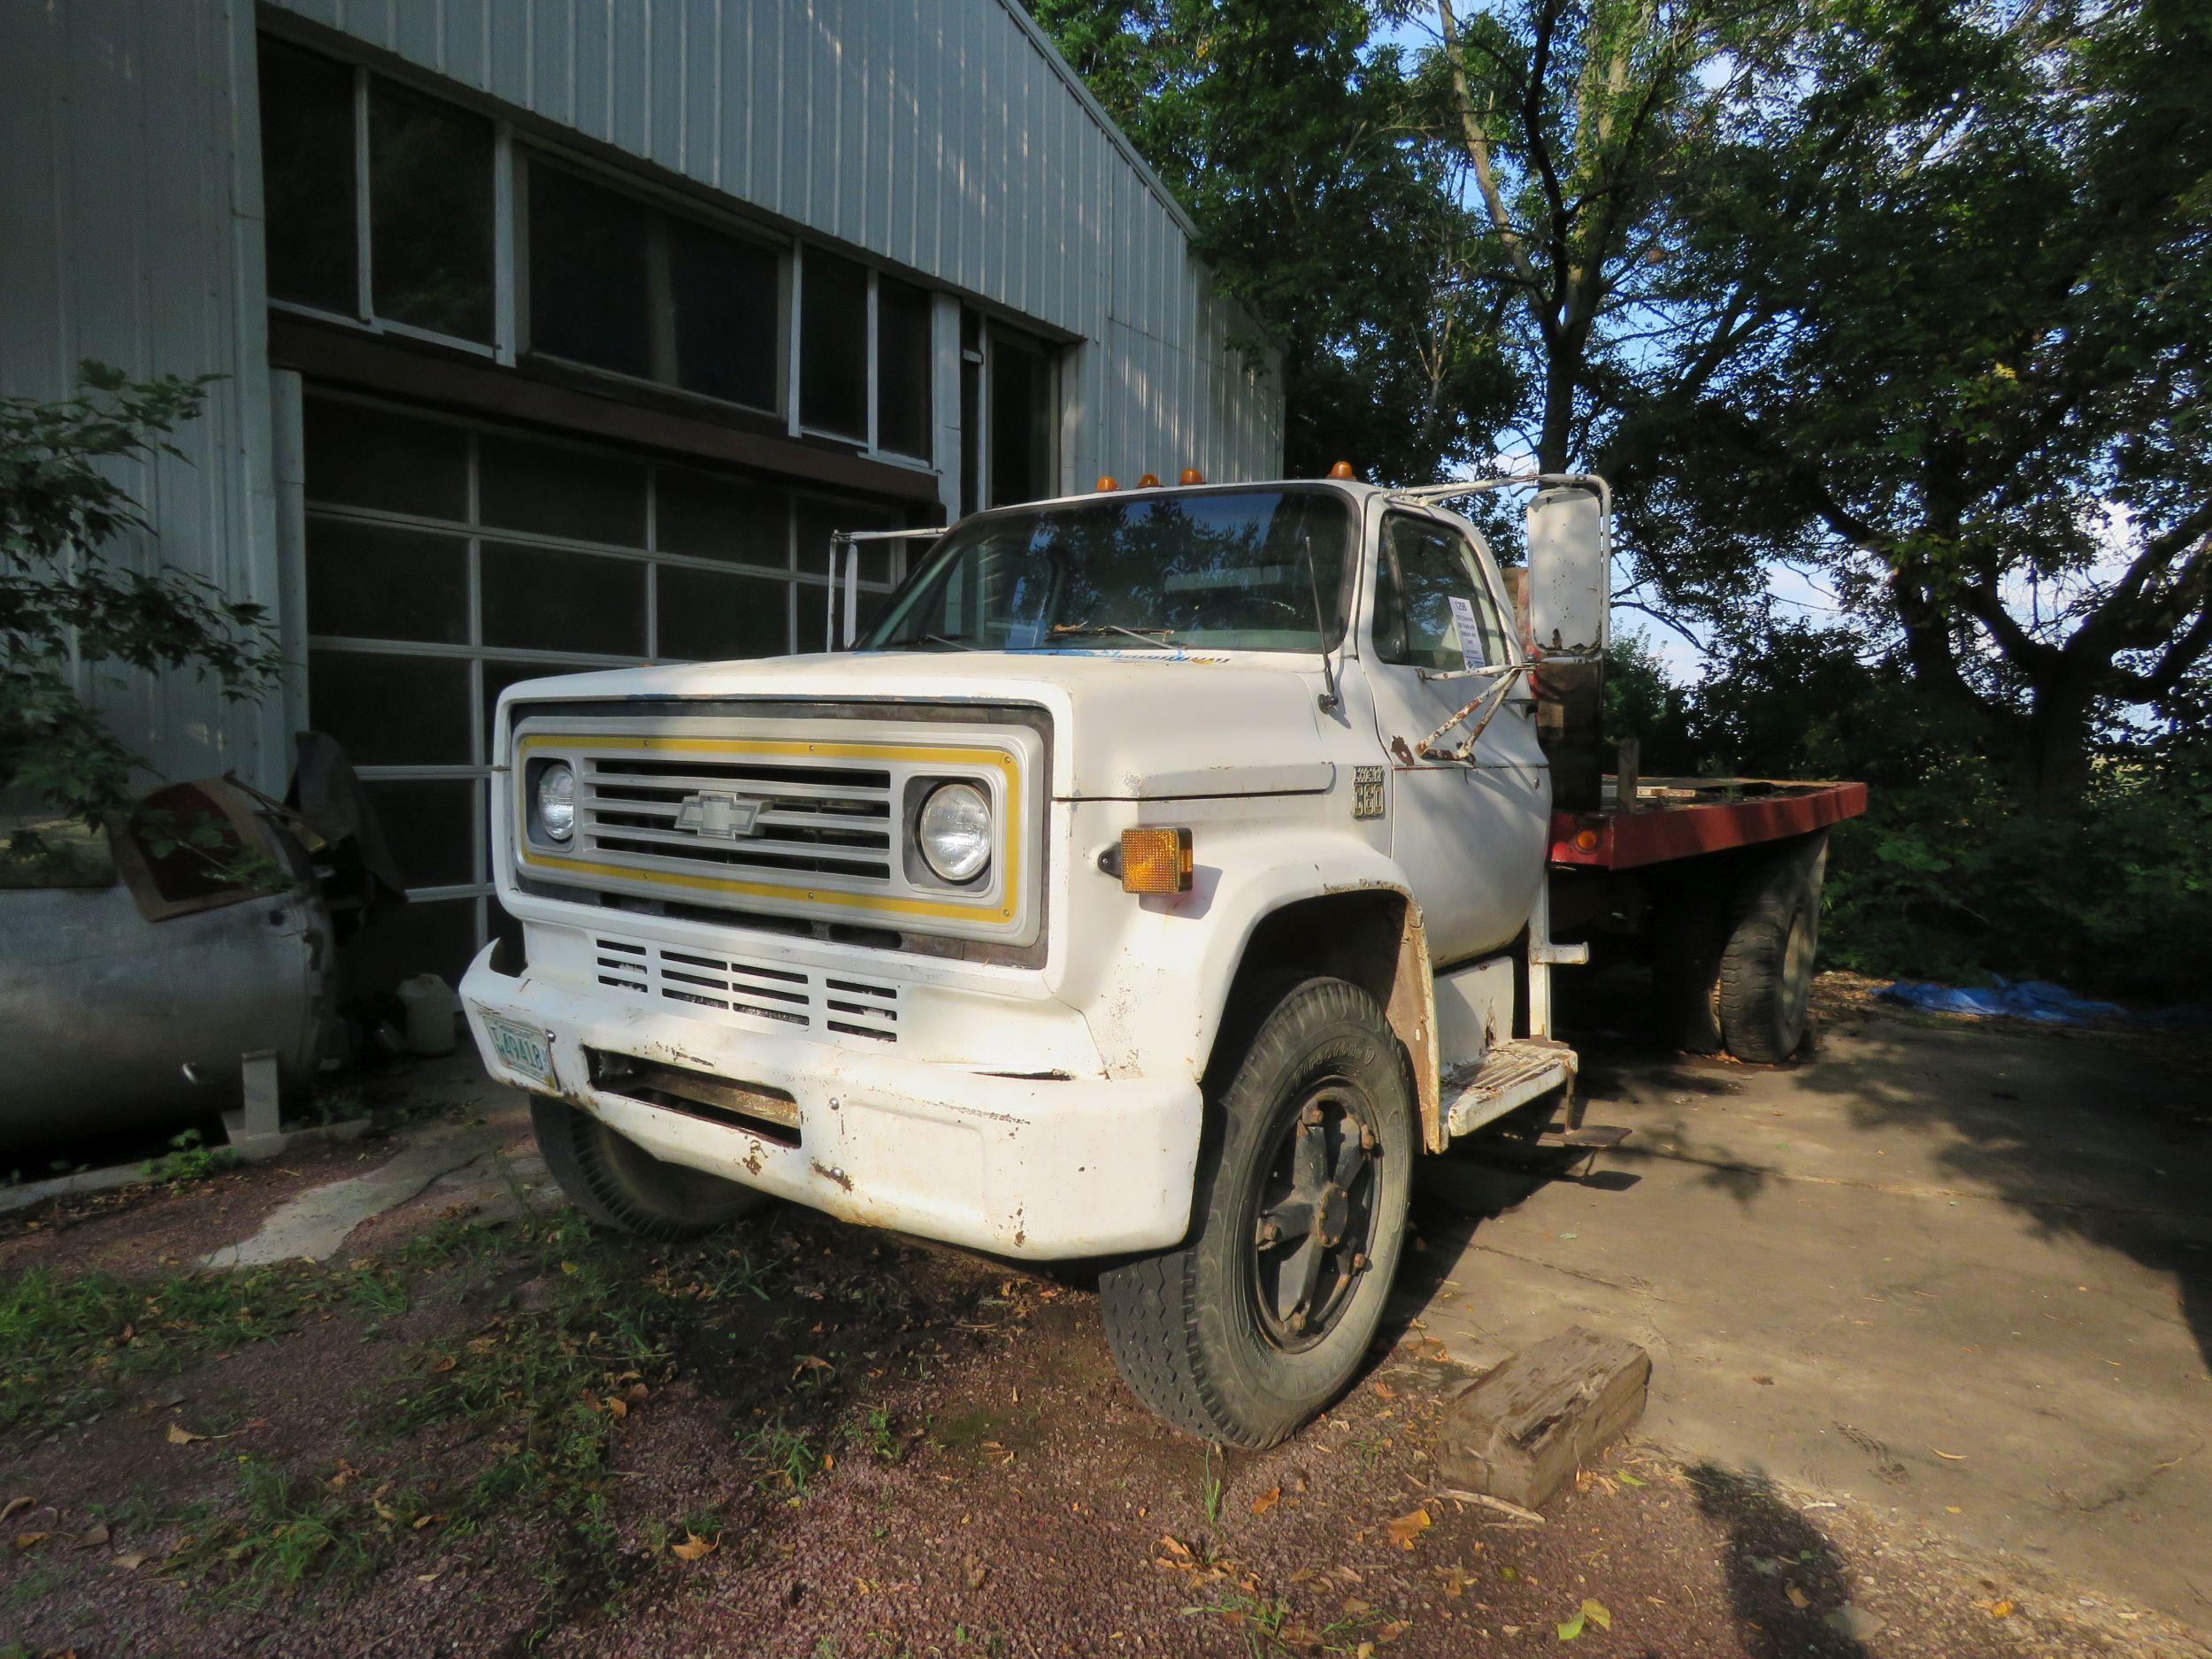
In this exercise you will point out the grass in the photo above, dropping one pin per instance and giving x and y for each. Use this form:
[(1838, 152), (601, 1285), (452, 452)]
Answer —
[(1210, 1486), (189, 1159)]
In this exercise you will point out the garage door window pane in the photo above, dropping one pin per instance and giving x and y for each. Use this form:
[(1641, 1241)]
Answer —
[(705, 517), (358, 457), (430, 215), (726, 294), (546, 600), (374, 582), (1024, 419), (307, 182), (818, 517), (706, 616), (589, 289), (833, 345), (572, 494), (391, 710), (430, 824), (902, 368)]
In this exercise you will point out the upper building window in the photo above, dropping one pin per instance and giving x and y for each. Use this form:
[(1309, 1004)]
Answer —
[(904, 382), (307, 180), (834, 346), (428, 265), (430, 215), (617, 284)]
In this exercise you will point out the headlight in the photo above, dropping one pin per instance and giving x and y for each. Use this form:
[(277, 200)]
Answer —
[(556, 801), (954, 830)]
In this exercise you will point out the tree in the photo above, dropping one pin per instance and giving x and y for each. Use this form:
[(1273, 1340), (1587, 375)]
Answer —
[(1289, 135), (1984, 234), (63, 604)]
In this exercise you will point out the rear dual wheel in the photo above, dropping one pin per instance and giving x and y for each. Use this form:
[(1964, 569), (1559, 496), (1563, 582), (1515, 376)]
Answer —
[(1263, 1316)]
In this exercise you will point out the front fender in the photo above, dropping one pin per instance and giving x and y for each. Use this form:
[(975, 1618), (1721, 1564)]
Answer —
[(1156, 983)]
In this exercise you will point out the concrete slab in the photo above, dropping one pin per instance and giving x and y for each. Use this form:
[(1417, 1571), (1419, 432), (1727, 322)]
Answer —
[(1965, 1275), (313, 1225)]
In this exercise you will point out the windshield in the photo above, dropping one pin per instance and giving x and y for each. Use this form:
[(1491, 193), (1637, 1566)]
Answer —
[(1231, 570)]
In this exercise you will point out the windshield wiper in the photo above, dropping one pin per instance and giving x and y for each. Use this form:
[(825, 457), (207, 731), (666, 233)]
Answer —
[(1072, 629)]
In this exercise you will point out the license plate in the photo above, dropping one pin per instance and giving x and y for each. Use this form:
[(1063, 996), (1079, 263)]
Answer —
[(522, 1049)]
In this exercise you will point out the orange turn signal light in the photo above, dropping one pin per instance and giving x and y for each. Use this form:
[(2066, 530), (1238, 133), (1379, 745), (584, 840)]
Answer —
[(1192, 475), (1586, 840), (1106, 481), (1342, 469), (1150, 480), (1155, 861)]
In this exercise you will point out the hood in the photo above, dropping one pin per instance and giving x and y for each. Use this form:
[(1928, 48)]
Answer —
[(1126, 724)]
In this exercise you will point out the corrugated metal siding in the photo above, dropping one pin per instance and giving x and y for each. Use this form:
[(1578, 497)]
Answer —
[(131, 236), (940, 135)]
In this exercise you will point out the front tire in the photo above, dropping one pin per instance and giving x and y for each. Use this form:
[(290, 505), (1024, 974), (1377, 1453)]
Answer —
[(1263, 1317), (618, 1184)]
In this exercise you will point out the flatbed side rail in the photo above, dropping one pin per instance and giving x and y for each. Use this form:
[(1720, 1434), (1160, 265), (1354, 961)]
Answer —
[(1683, 817)]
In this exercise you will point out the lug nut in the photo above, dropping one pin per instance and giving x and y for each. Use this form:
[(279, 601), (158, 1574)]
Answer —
[(1359, 1263), (1310, 1116), (1270, 1232), (1297, 1321)]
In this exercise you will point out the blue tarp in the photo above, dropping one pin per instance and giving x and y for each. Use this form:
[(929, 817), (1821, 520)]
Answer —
[(2038, 999)]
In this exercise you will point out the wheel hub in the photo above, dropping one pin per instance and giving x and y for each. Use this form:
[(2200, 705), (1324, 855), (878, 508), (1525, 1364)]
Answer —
[(1332, 1214), (1318, 1215)]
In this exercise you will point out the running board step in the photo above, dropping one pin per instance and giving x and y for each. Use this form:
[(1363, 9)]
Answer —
[(1589, 1138), (1509, 1075)]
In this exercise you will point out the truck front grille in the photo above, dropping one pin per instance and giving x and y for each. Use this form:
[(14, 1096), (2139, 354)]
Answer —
[(755, 993), (806, 820), (781, 818)]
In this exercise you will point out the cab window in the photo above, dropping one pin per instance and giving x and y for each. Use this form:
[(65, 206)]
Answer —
[(1425, 567)]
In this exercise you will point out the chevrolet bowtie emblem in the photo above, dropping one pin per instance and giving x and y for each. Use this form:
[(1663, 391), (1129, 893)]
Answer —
[(724, 817)]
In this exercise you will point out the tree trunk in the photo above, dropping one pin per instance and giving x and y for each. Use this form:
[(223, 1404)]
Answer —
[(2056, 762)]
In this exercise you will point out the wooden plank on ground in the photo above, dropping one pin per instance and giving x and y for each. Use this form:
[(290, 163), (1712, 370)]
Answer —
[(1523, 1431)]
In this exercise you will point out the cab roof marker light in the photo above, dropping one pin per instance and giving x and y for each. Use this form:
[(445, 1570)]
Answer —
[(1192, 475), (1150, 480)]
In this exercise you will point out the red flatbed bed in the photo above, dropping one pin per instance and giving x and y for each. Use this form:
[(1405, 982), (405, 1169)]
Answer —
[(1683, 817)]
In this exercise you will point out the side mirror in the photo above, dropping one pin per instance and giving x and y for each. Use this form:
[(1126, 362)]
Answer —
[(1570, 576)]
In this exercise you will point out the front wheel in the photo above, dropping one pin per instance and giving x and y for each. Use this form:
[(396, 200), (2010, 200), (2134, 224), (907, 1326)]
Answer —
[(1262, 1318), (618, 1184)]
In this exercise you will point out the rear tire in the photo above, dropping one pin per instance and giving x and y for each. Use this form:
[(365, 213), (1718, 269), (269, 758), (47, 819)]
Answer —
[(1264, 1316), (1766, 973), (618, 1184)]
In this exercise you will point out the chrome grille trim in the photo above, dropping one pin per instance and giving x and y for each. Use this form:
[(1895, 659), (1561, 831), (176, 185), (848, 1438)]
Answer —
[(757, 995), (784, 815)]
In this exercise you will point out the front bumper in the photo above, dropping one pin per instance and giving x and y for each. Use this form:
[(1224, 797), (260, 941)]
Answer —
[(1038, 1167)]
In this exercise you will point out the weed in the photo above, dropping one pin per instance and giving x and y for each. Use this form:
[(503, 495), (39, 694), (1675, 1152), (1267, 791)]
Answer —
[(874, 1435), (786, 1453), (380, 1294), (1209, 1487), (287, 1531), (189, 1158), (1261, 1617)]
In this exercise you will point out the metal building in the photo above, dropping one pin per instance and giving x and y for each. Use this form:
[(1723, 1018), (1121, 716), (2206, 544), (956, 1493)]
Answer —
[(561, 333)]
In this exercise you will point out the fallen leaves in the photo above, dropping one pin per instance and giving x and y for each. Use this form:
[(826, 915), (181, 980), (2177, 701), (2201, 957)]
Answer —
[(1798, 1598), (1267, 1500), (1999, 1609), (695, 1547), (1591, 1612), (179, 1435), (1407, 1527), (1949, 1457), (12, 1505)]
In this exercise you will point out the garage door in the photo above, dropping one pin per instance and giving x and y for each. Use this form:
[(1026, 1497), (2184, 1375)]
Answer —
[(446, 559)]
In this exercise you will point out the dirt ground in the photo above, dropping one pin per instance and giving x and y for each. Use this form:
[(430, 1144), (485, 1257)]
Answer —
[(479, 1429)]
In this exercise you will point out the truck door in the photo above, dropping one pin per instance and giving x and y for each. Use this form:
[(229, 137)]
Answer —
[(1472, 836)]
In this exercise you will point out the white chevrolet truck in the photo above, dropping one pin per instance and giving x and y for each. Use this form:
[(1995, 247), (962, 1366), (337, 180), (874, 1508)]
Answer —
[(1161, 873)]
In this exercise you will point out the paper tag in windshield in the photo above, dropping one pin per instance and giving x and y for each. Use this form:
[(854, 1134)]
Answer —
[(1024, 636), (1470, 640)]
